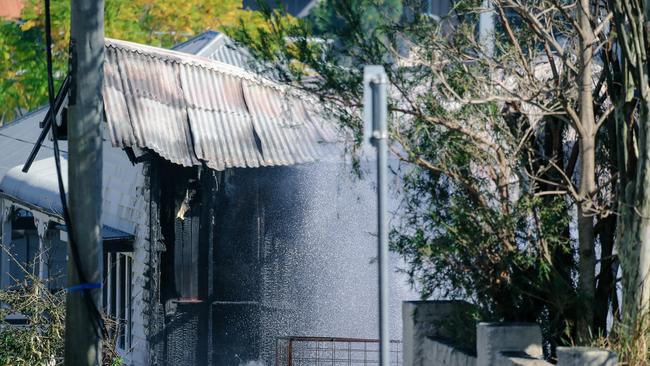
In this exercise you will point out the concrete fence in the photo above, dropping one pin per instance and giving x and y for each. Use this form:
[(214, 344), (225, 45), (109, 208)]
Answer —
[(439, 333)]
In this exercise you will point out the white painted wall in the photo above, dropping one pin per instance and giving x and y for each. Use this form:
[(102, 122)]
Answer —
[(126, 207)]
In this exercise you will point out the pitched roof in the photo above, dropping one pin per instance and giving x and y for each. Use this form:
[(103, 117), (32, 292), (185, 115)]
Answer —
[(298, 8), (189, 109), (192, 110), (219, 47), (18, 138)]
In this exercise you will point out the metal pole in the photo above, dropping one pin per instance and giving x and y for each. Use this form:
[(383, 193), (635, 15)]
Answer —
[(82, 343), (376, 79), (486, 28)]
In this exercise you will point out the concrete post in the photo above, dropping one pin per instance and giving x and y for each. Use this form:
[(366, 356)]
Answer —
[(493, 338), (585, 356), (422, 319), (519, 359)]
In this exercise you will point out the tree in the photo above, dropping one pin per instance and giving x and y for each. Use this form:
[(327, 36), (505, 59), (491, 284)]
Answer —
[(510, 182), (630, 85), (159, 23)]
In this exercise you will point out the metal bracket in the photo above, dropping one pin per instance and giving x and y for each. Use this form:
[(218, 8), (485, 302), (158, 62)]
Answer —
[(374, 101), (72, 66)]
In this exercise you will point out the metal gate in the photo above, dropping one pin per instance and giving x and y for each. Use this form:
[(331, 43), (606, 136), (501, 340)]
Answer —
[(324, 351)]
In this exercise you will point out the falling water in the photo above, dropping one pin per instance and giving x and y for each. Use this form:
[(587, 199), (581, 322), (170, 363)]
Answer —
[(317, 273)]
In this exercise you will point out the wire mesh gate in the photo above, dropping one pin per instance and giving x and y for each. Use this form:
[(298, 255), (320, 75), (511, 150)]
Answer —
[(323, 351)]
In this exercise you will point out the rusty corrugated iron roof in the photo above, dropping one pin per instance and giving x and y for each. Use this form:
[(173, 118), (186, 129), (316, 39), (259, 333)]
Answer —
[(193, 110)]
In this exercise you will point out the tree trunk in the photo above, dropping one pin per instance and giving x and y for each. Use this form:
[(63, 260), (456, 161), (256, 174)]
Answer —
[(563, 260), (633, 236), (606, 277), (587, 264), (641, 214), (606, 230), (636, 261), (587, 186)]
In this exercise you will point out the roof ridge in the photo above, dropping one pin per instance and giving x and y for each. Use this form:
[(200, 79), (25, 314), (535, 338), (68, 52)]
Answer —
[(203, 62), (197, 38)]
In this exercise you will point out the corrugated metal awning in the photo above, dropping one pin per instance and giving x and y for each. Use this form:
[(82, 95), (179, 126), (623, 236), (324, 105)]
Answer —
[(193, 110)]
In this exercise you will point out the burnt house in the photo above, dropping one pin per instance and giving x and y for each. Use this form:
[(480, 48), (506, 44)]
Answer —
[(229, 218), (181, 213)]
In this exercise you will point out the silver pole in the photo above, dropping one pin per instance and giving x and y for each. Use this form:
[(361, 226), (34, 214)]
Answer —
[(376, 80), (486, 28)]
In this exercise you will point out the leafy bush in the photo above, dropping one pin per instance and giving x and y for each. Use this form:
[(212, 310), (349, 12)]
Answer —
[(40, 341), (40, 338)]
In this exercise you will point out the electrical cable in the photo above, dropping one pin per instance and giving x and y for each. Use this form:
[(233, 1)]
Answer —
[(98, 320)]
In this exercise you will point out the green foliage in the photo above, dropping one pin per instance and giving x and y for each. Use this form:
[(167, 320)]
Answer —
[(370, 16), (23, 84), (17, 87), (476, 222), (40, 341)]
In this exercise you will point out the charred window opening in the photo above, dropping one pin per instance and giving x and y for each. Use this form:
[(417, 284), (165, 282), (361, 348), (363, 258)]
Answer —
[(180, 211), (185, 203)]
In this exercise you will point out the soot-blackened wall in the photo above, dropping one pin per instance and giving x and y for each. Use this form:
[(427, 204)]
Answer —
[(256, 298), (289, 252)]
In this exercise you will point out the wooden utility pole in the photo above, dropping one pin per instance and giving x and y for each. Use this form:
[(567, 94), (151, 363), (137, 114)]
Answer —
[(83, 339)]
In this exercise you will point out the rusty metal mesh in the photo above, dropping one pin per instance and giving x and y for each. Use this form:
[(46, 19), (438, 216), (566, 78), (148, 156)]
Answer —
[(323, 351)]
